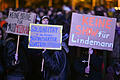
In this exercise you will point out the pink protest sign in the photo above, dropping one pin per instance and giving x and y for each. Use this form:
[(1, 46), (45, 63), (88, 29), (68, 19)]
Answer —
[(92, 31), (18, 22)]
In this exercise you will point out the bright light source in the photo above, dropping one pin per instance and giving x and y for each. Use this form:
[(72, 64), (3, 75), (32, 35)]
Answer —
[(82, 0), (116, 8)]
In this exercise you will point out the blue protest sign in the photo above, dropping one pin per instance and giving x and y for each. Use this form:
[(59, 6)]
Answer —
[(43, 36)]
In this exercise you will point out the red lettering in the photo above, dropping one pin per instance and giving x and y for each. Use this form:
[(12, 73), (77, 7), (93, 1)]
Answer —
[(84, 20), (96, 22), (91, 21), (22, 29), (27, 30), (101, 23), (85, 31), (108, 23), (93, 33), (16, 29), (78, 29)]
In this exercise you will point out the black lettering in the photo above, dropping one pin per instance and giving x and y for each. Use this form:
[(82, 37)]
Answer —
[(14, 15), (11, 27), (20, 21)]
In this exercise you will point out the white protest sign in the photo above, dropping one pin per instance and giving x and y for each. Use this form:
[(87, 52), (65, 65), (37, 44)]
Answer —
[(18, 22)]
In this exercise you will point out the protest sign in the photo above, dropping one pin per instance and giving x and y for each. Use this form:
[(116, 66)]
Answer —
[(92, 31), (43, 36), (18, 22)]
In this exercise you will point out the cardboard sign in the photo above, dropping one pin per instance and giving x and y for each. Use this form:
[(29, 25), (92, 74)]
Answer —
[(92, 31), (43, 36), (18, 22)]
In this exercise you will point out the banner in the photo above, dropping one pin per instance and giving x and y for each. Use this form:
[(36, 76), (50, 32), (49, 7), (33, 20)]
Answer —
[(92, 31), (43, 36), (18, 22)]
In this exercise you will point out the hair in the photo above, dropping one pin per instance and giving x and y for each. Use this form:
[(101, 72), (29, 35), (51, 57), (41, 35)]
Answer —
[(44, 17)]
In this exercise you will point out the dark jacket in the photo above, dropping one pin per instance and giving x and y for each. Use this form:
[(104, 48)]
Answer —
[(56, 63), (9, 52), (2, 65), (1, 56), (32, 61), (24, 43)]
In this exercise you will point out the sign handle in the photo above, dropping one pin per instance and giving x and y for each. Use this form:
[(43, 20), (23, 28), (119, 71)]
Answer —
[(87, 69), (43, 61), (89, 60), (16, 55), (90, 52), (42, 65)]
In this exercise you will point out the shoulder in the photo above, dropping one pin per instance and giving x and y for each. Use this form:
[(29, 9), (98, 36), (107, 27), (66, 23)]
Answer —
[(9, 42)]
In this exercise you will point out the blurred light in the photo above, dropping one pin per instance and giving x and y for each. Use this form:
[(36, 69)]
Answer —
[(4, 6), (82, 0), (17, 3), (118, 3), (93, 3), (109, 0), (50, 3), (117, 8)]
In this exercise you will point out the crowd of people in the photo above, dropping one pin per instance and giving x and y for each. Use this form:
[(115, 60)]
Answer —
[(58, 64)]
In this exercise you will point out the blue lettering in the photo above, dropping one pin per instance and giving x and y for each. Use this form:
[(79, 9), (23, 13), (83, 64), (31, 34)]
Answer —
[(33, 28)]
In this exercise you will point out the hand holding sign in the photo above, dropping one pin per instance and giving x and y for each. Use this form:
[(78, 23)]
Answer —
[(16, 58), (87, 69), (43, 50), (90, 51), (16, 61)]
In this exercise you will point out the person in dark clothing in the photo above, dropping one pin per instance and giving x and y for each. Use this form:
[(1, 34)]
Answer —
[(32, 61), (98, 11), (9, 52), (79, 65), (2, 65), (56, 64), (116, 68), (110, 73), (95, 66)]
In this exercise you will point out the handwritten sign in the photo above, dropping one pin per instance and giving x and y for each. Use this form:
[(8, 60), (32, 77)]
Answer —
[(18, 22), (92, 31), (43, 36)]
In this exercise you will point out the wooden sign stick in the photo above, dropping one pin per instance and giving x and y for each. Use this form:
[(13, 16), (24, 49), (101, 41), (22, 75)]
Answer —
[(43, 61), (89, 60), (87, 69), (16, 55)]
